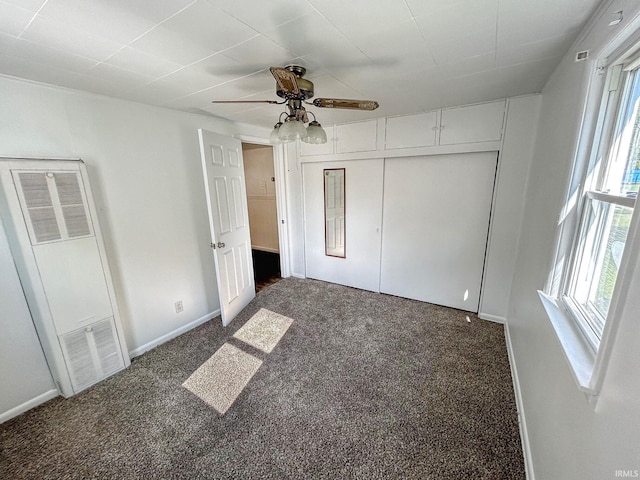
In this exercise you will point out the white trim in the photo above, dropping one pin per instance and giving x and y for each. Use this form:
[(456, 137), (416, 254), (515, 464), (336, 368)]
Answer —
[(575, 347), (297, 275), (28, 405), (522, 421), (282, 215), (492, 318), (492, 146), (173, 334), (628, 202), (282, 212)]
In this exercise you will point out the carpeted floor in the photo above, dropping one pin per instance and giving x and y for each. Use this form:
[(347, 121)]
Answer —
[(361, 385)]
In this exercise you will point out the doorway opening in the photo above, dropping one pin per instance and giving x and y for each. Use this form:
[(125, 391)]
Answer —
[(260, 181)]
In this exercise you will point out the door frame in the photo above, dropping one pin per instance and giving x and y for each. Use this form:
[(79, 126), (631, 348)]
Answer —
[(281, 200)]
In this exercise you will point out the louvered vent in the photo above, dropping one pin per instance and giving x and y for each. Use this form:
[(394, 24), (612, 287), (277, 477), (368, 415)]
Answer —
[(39, 207), (92, 353), (54, 206), (71, 202), (107, 347), (80, 362)]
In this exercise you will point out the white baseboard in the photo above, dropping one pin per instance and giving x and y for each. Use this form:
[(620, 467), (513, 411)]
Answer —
[(297, 275), (492, 318), (524, 435), (171, 335), (34, 402)]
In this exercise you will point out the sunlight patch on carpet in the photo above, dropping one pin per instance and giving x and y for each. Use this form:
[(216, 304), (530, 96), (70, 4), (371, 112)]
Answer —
[(220, 380), (264, 330)]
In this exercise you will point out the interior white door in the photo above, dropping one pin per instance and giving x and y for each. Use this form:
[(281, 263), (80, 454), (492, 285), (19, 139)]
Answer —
[(436, 223), (229, 221)]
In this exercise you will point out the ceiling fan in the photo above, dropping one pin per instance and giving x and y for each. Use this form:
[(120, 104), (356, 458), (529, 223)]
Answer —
[(295, 91)]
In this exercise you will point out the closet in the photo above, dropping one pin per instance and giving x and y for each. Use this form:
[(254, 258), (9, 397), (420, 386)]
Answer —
[(418, 193)]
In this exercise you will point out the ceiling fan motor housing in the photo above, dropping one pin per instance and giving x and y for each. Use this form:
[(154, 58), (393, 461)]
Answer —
[(305, 86)]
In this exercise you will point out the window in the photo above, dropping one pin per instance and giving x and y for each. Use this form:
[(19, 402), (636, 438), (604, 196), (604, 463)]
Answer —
[(584, 295), (611, 187)]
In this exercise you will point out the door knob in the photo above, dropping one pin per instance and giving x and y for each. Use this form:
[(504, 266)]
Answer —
[(220, 245)]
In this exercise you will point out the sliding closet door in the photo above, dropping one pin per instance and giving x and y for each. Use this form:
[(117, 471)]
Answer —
[(356, 263), (436, 221)]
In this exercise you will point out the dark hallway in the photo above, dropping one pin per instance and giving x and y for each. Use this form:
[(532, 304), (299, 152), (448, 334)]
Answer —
[(266, 268)]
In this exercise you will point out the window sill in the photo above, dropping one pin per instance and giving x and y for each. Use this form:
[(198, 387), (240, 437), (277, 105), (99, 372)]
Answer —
[(576, 348)]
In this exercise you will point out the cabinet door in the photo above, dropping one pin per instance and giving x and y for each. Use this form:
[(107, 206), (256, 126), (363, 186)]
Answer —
[(357, 137), (475, 123), (411, 131), (308, 149)]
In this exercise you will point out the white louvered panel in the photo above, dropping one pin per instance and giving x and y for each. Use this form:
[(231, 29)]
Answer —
[(44, 225), (92, 353), (53, 205), (72, 203), (37, 207), (79, 359), (107, 347), (75, 219), (68, 188), (35, 189)]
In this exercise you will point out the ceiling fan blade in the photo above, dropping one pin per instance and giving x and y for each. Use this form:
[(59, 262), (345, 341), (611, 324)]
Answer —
[(246, 101), (344, 103), (286, 79)]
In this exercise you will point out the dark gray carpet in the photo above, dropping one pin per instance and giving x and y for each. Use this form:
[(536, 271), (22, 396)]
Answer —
[(362, 385)]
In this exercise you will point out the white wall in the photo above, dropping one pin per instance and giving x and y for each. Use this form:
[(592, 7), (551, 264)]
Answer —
[(24, 374), (567, 438), (261, 197), (144, 167), (506, 215)]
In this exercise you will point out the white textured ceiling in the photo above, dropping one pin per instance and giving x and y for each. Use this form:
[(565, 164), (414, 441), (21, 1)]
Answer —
[(409, 55)]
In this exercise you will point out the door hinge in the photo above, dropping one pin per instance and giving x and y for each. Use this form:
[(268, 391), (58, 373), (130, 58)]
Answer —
[(212, 245)]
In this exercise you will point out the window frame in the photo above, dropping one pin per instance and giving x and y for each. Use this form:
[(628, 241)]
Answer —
[(587, 354)]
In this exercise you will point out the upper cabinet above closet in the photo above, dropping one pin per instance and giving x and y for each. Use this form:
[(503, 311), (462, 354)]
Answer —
[(473, 123), (411, 131), (470, 125), (345, 138), (357, 137)]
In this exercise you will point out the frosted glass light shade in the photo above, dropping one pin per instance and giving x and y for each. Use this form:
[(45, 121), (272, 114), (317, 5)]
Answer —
[(274, 138), (315, 134), (291, 129)]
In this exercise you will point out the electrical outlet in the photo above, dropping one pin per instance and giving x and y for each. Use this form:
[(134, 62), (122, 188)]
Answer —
[(179, 307)]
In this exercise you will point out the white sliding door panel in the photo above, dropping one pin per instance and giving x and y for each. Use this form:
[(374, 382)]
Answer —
[(436, 220), (363, 217)]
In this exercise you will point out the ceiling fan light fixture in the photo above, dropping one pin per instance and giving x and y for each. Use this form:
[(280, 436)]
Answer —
[(291, 129), (315, 133), (274, 138)]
